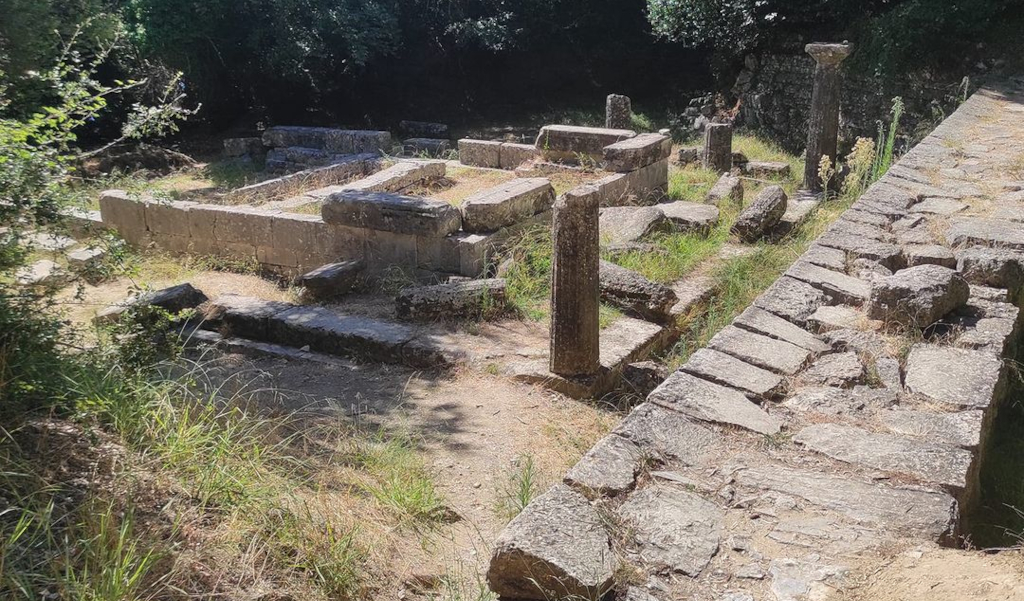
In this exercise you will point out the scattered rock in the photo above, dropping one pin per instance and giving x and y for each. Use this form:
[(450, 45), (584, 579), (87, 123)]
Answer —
[(332, 280), (557, 547), (691, 216), (728, 188), (761, 215), (917, 296), (634, 293), (620, 225), (454, 299), (174, 299)]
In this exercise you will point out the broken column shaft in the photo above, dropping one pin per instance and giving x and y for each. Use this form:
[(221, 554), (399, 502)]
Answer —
[(618, 112), (823, 124), (718, 147), (575, 284)]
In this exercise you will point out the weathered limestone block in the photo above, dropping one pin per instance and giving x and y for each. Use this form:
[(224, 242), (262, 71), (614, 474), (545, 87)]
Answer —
[(398, 176), (839, 401), (241, 147), (767, 169), (609, 468), (960, 377), (691, 216), (717, 154), (453, 299), (727, 188), (332, 280), (929, 254), (665, 434), (634, 293), (556, 548), (889, 255), (430, 146), (760, 321), (838, 317), (761, 215), (174, 299), (724, 369), (636, 152), (618, 112), (938, 206), (997, 267), (480, 153), (792, 299), (424, 129), (706, 401), (840, 370), (242, 315), (575, 286), (930, 461), (342, 141), (771, 354), (168, 217), (860, 230), (125, 214), (978, 231), (85, 258), (567, 142), (645, 186), (507, 204), (512, 155), (917, 296), (837, 285), (931, 514), (392, 213), (620, 225), (43, 272), (327, 331), (675, 529), (961, 428)]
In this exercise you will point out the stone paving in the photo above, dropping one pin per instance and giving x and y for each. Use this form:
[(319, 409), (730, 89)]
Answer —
[(822, 428)]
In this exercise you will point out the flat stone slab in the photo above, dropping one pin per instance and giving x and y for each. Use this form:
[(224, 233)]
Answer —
[(840, 370), (771, 169), (666, 434), (932, 462), (760, 321), (998, 267), (243, 315), (838, 285), (960, 377), (392, 213), (728, 189), (917, 296), (802, 580), (452, 299), (929, 254), (673, 529), (331, 280), (961, 428), (691, 216), (837, 317), (557, 547), (886, 253), (692, 291), (507, 204), (636, 152), (823, 256), (976, 231), (771, 354), (327, 331), (628, 290), (620, 225), (558, 142), (932, 514), (792, 300), (609, 468), (720, 368), (938, 206), (39, 273), (838, 401), (710, 402)]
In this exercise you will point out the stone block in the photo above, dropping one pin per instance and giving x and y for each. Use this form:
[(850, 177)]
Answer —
[(326, 331), (961, 377), (341, 243), (762, 214), (792, 300), (168, 217), (244, 225), (976, 231), (126, 215), (917, 297), (997, 267), (645, 186), (433, 147), (631, 224), (332, 280), (507, 204), (717, 155), (342, 141), (634, 293), (838, 370), (568, 142), (170, 243), (856, 247), (720, 368), (618, 111), (453, 299), (480, 153), (961, 428), (768, 324), (383, 250), (837, 285), (392, 213), (929, 254), (556, 548), (609, 468), (771, 354), (728, 189), (767, 169), (676, 530), (636, 152), (643, 377), (665, 434), (693, 217), (242, 315), (173, 299), (240, 147), (399, 176), (512, 155)]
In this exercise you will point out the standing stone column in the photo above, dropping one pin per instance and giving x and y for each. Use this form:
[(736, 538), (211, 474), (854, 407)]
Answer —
[(823, 124), (575, 284), (718, 147), (618, 112)]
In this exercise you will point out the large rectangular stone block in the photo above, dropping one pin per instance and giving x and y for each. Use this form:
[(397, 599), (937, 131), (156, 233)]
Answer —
[(341, 243), (513, 155), (506, 204), (644, 186), (168, 217), (383, 250), (392, 213), (244, 225), (342, 141), (480, 153), (295, 183), (634, 153), (125, 214), (566, 142), (400, 175)]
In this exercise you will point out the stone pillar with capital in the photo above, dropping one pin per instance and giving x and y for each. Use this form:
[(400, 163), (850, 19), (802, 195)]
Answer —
[(823, 124)]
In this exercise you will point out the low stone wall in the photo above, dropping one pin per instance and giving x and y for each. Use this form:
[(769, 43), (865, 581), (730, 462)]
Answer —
[(808, 425), (340, 171)]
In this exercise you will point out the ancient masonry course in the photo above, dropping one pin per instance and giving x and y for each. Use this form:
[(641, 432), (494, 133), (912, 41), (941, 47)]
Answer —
[(842, 416)]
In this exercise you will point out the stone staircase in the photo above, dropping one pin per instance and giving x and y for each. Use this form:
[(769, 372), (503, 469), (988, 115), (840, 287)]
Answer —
[(797, 447)]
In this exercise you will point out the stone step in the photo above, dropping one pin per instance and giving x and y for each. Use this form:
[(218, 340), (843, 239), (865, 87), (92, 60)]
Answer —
[(706, 401), (693, 217), (507, 204), (759, 321), (452, 299), (768, 353), (840, 286), (332, 280), (392, 213), (399, 176), (724, 369), (953, 376), (941, 464), (343, 141)]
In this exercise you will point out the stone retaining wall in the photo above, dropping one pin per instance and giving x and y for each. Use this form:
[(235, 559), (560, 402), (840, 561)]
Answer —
[(807, 437)]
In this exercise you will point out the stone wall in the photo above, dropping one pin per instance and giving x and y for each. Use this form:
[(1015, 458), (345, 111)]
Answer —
[(816, 422)]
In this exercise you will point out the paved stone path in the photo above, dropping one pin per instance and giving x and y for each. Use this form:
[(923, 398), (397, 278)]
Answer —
[(795, 449)]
